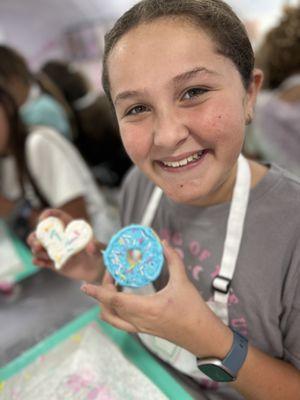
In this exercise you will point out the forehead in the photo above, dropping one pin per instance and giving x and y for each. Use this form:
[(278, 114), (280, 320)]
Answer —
[(164, 46)]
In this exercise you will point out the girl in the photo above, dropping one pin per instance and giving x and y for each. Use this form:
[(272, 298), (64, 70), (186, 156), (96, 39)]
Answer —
[(181, 79), (39, 169), (98, 138)]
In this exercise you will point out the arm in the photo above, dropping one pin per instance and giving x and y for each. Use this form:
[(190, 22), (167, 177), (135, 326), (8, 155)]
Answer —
[(261, 377), (76, 208), (6, 206)]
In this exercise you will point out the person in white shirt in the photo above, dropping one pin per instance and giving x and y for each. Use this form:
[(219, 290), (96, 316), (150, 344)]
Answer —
[(40, 168)]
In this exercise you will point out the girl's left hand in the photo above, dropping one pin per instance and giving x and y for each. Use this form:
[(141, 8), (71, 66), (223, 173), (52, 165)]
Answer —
[(176, 313)]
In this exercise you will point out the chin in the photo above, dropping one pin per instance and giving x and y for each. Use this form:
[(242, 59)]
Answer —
[(183, 196)]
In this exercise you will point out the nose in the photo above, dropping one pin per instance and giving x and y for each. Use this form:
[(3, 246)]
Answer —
[(169, 130)]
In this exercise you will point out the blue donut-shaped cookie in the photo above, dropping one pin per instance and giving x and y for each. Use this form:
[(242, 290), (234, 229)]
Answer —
[(134, 256)]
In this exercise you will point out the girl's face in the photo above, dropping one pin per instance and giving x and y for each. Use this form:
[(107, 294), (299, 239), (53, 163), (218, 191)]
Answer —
[(4, 132), (181, 109)]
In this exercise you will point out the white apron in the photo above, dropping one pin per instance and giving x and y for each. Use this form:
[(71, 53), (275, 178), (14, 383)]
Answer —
[(176, 356)]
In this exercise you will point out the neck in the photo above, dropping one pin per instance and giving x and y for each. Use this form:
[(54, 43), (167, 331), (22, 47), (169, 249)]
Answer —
[(224, 192)]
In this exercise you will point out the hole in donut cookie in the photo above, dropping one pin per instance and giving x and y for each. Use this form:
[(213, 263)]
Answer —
[(134, 256)]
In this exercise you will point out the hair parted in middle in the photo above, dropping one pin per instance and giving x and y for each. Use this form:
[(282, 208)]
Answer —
[(215, 17)]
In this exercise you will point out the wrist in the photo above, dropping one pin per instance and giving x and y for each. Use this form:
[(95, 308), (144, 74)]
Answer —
[(213, 340), (226, 369)]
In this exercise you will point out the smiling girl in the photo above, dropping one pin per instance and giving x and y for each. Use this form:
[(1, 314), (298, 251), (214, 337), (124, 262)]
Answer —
[(181, 78)]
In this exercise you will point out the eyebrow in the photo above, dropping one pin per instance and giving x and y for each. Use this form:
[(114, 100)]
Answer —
[(127, 95), (178, 79), (190, 74)]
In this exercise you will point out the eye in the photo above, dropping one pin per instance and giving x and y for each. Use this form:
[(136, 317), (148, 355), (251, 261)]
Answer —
[(194, 92), (137, 110)]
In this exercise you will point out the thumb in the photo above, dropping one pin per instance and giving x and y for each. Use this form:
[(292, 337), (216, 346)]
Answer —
[(94, 247), (91, 290), (53, 212), (175, 265), (100, 293)]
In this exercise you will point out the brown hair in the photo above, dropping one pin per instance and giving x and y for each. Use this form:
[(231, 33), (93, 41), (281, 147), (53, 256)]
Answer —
[(72, 83), (12, 64), (279, 54), (16, 134), (16, 142), (214, 16)]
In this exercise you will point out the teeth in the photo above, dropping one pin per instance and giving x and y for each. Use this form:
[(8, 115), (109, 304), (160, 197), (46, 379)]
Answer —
[(185, 161)]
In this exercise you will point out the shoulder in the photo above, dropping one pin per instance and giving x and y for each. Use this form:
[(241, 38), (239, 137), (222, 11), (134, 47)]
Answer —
[(46, 102), (275, 202), (288, 185), (136, 191), (41, 136), (44, 145)]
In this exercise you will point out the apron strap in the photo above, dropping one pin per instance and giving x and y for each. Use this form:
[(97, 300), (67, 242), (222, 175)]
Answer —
[(152, 206), (234, 232)]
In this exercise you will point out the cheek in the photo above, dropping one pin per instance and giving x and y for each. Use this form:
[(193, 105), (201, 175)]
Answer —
[(222, 124), (136, 141)]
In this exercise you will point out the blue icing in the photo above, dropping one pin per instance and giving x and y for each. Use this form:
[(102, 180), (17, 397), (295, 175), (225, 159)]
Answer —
[(134, 256)]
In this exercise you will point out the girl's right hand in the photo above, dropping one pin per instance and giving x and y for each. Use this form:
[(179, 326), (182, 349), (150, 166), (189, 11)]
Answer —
[(86, 265)]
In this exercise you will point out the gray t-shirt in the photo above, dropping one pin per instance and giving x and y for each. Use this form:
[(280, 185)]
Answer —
[(264, 302)]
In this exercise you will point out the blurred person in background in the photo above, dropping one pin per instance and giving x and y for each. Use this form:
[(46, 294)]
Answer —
[(98, 137), (275, 132), (39, 168), (36, 107)]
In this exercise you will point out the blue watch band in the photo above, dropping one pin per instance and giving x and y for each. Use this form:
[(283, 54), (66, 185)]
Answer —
[(237, 354)]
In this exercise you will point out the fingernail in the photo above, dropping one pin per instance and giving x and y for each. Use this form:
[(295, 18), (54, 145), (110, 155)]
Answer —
[(83, 289)]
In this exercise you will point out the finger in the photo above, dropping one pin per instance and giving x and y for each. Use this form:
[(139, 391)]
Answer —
[(42, 263), (108, 279), (42, 257), (174, 262), (121, 303), (116, 321), (34, 243), (31, 239), (53, 212), (98, 293), (94, 247)]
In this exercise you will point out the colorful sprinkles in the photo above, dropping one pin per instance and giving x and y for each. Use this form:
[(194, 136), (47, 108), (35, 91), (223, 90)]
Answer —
[(134, 256)]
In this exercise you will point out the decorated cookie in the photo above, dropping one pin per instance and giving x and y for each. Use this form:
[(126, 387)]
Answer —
[(134, 256), (62, 243)]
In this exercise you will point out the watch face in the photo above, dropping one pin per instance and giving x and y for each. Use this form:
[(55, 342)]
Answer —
[(216, 373)]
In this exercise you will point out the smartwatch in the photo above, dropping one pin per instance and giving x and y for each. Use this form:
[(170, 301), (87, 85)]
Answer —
[(226, 370)]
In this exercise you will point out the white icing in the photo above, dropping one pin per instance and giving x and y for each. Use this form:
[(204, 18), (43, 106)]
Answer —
[(61, 243)]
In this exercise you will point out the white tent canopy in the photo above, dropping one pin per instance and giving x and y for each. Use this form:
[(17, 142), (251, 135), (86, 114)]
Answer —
[(35, 27)]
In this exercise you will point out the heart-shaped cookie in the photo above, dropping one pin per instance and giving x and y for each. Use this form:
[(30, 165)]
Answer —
[(62, 243)]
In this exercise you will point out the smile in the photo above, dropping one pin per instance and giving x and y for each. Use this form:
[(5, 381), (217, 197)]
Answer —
[(185, 161)]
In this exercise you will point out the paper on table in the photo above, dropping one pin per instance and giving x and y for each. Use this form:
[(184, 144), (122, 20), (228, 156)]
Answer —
[(88, 365), (10, 262)]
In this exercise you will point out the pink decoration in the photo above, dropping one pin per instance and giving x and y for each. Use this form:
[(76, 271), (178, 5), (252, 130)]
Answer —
[(232, 299), (204, 255), (177, 239), (216, 271), (194, 247), (240, 324), (165, 235), (196, 271)]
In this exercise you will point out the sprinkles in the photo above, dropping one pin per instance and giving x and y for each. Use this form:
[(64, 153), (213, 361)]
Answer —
[(134, 256)]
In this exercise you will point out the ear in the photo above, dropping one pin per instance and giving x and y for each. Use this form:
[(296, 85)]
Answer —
[(252, 91)]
